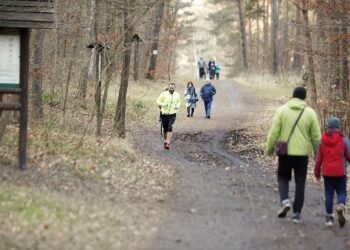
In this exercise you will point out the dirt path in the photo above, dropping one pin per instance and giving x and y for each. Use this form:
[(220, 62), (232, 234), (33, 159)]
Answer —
[(223, 202)]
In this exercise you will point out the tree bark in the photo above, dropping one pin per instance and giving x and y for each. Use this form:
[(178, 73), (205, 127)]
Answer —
[(285, 38), (155, 39), (274, 37), (87, 69), (243, 35), (344, 52), (297, 56), (312, 93), (136, 60), (37, 79), (266, 31), (321, 44), (119, 120)]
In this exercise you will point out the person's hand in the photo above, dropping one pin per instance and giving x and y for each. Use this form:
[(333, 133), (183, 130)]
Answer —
[(273, 157)]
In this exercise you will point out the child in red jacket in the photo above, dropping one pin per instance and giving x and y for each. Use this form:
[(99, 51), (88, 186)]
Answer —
[(332, 157)]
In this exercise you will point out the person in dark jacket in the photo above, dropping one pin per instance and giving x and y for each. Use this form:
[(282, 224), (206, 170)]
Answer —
[(332, 157), (211, 69), (207, 92), (202, 67), (191, 98)]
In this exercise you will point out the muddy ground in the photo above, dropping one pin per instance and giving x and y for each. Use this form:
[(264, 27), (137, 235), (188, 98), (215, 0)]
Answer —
[(225, 190)]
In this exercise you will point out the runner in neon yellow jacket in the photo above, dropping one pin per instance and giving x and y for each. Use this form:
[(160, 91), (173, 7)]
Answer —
[(169, 102)]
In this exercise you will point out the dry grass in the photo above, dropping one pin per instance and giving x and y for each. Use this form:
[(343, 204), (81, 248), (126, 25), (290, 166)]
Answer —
[(81, 192)]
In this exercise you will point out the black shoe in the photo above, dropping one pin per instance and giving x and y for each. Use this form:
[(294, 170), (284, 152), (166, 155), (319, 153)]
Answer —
[(329, 220), (341, 214), (284, 210), (188, 115), (296, 218)]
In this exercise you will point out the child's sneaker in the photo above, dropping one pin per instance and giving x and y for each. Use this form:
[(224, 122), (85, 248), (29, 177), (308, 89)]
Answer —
[(296, 218), (285, 208), (329, 220), (341, 214)]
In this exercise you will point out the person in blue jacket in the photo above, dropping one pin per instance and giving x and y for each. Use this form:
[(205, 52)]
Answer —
[(207, 92)]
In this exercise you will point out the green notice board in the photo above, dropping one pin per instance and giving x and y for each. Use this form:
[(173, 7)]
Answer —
[(9, 61)]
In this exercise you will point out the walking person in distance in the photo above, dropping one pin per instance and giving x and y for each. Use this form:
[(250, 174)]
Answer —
[(207, 92), (201, 66), (191, 99)]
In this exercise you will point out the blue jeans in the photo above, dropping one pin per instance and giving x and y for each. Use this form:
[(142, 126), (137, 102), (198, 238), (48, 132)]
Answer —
[(207, 106), (337, 184)]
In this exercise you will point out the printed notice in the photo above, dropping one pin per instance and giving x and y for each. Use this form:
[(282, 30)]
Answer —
[(9, 60)]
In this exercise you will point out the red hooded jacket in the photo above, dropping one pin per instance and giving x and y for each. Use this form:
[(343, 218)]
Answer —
[(332, 155)]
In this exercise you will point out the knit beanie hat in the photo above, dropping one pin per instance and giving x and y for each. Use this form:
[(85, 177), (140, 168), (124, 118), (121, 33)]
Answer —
[(333, 122), (299, 93)]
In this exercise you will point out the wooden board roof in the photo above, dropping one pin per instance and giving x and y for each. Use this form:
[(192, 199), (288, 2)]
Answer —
[(37, 14)]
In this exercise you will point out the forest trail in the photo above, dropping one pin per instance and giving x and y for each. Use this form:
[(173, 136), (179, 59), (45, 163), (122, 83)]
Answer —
[(222, 201)]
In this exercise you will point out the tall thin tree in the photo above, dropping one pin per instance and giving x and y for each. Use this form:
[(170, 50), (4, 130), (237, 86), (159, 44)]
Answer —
[(274, 36), (243, 35), (119, 119), (155, 40)]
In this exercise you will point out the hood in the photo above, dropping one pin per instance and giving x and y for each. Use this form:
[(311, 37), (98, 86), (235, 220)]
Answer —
[(296, 103), (331, 138)]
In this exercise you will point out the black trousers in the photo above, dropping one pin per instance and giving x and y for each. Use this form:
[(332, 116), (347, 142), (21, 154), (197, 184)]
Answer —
[(168, 121), (287, 164), (201, 73)]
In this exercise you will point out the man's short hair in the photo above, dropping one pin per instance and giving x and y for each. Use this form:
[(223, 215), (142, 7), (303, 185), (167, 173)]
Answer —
[(299, 92)]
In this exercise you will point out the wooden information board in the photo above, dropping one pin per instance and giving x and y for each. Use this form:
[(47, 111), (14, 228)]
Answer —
[(17, 18)]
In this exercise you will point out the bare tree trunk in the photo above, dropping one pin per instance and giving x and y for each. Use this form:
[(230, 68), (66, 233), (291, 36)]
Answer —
[(119, 120), (136, 60), (37, 80), (344, 52), (258, 42), (243, 35), (311, 65), (274, 37), (89, 55), (297, 57), (321, 44), (99, 28), (266, 31), (72, 59), (285, 39), (155, 37), (334, 48), (251, 43)]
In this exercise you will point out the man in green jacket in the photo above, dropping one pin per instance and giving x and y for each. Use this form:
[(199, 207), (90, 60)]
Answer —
[(305, 136), (169, 102)]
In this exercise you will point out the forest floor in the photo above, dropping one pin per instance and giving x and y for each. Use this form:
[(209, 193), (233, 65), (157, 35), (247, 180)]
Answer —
[(213, 190), (225, 193)]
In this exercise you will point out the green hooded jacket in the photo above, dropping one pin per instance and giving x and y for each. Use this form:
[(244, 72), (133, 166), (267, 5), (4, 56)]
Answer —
[(306, 134)]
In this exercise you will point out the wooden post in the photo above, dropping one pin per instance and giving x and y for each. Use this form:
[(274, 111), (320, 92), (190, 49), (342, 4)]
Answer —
[(24, 71)]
